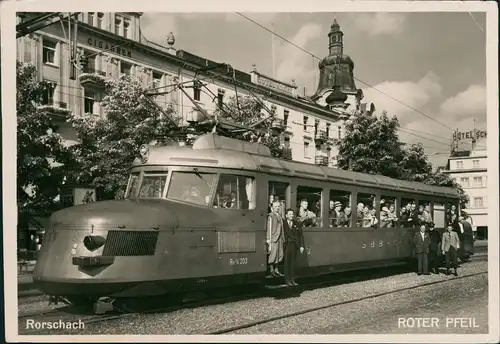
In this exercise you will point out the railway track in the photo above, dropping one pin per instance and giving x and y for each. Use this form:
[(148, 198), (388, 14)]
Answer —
[(229, 330), (252, 292)]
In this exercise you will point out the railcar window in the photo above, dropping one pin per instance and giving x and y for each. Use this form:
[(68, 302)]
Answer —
[(340, 211), (388, 216), (235, 192), (409, 213), (309, 203), (424, 212), (366, 213), (153, 184), (132, 184), (191, 187), (452, 213), (277, 192), (439, 215)]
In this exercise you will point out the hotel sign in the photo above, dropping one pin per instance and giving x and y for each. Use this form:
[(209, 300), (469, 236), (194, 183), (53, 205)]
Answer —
[(270, 83), (109, 47), (471, 134)]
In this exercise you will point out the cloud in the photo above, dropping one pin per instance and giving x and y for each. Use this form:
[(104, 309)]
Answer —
[(414, 94), (457, 111), (380, 23), (469, 103), (292, 63)]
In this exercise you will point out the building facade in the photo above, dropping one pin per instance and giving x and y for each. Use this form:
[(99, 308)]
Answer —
[(469, 169), (114, 45)]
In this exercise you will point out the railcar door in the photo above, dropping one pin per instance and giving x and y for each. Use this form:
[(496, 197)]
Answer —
[(277, 193), (238, 224)]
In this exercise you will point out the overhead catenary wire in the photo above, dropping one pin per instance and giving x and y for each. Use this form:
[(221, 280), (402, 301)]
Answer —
[(190, 106), (403, 129), (474, 19), (104, 50), (241, 84), (357, 79)]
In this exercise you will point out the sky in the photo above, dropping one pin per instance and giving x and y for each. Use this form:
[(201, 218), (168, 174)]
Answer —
[(434, 62)]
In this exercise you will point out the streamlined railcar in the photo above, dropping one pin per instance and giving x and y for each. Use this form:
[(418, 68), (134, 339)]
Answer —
[(195, 217)]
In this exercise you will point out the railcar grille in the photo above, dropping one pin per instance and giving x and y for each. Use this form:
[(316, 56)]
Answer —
[(130, 243), (234, 242)]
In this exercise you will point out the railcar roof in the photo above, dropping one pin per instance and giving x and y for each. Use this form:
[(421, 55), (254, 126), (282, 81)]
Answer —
[(211, 150)]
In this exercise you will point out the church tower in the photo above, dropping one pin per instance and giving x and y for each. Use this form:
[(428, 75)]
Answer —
[(336, 45), (336, 86)]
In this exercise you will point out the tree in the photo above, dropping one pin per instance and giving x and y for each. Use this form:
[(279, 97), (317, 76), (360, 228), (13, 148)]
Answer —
[(41, 153), (109, 144), (248, 111), (415, 165), (442, 179), (371, 144)]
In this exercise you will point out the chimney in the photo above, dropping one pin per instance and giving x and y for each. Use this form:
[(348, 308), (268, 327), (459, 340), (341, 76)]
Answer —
[(305, 88)]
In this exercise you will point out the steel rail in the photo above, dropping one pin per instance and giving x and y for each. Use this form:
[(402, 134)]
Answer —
[(335, 304), (257, 292)]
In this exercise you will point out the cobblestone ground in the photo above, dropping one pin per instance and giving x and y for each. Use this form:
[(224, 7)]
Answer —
[(378, 315), (390, 314)]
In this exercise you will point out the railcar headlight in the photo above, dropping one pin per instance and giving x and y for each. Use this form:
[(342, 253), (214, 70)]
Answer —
[(93, 242)]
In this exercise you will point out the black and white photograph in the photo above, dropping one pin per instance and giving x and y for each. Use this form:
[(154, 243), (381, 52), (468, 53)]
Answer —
[(266, 171)]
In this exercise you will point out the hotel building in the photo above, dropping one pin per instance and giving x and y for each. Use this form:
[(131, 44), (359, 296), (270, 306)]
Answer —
[(469, 169)]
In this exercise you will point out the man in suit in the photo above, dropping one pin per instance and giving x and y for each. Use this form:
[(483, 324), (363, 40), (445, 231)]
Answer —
[(294, 241), (434, 249), (422, 243), (450, 245)]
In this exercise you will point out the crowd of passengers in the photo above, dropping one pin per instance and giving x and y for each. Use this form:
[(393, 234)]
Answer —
[(340, 215)]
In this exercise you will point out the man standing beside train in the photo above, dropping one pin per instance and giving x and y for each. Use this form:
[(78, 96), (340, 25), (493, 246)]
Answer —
[(422, 242), (450, 246), (434, 249), (294, 241)]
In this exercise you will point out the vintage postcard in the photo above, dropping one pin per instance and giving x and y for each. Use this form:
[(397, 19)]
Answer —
[(279, 171)]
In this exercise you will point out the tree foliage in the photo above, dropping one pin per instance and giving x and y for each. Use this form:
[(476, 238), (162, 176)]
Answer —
[(109, 144), (371, 144), (248, 111), (40, 150)]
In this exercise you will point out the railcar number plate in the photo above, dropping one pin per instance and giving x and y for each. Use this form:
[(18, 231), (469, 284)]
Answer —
[(238, 261)]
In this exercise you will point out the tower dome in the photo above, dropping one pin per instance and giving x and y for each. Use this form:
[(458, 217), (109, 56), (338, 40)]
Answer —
[(336, 69)]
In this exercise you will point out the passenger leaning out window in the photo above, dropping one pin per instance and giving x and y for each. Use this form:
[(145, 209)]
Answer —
[(306, 217)]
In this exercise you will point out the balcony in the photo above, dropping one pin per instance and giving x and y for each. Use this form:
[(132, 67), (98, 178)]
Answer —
[(57, 110), (320, 137), (287, 153), (278, 125), (93, 78), (321, 160)]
